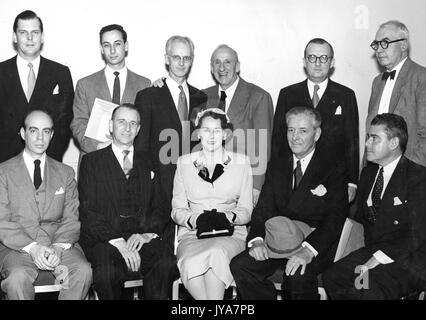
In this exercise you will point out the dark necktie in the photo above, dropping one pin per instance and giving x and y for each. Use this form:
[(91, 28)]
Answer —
[(297, 175), (182, 105), (315, 97), (222, 101), (116, 90), (31, 81), (127, 165), (377, 189), (386, 75), (37, 174)]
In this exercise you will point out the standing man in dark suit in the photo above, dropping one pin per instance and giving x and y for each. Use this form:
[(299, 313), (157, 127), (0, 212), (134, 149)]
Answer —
[(39, 226), (124, 215), (401, 89), (29, 81), (115, 83), (306, 186), (391, 206), (249, 108), (166, 111), (336, 104)]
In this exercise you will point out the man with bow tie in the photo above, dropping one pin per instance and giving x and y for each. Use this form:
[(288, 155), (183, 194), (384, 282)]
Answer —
[(391, 206), (336, 103), (401, 88), (124, 214), (29, 81), (39, 226), (307, 186)]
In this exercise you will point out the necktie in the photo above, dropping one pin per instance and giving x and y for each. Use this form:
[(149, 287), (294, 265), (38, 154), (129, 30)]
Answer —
[(222, 101), (31, 81), (297, 174), (37, 174), (386, 75), (315, 97), (127, 165), (377, 189), (182, 105), (116, 90)]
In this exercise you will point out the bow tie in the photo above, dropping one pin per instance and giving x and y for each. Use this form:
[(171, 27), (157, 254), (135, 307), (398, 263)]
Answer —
[(386, 75)]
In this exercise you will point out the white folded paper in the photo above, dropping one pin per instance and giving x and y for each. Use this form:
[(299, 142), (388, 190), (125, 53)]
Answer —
[(98, 125)]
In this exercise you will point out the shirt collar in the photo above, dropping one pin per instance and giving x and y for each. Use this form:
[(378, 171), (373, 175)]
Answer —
[(29, 163), (231, 90), (390, 167), (304, 162), (109, 72), (398, 67), (118, 152), (173, 85), (199, 160), (22, 64), (322, 87)]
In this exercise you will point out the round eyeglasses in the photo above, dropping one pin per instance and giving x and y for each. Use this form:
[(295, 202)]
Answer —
[(383, 43), (313, 58)]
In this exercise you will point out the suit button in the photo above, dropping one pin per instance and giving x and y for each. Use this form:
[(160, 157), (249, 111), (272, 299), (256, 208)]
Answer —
[(395, 222)]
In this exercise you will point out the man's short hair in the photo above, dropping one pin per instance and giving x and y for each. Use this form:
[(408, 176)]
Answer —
[(130, 106), (310, 112), (320, 41), (394, 126), (27, 15), (399, 25), (222, 46), (29, 112), (113, 27), (183, 39)]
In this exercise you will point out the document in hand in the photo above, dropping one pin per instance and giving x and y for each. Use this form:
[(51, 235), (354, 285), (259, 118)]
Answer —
[(97, 127)]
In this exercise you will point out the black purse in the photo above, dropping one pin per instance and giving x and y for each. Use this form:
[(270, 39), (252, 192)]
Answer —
[(212, 224)]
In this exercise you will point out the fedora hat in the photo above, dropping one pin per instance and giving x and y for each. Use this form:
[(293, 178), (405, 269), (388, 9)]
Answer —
[(283, 236)]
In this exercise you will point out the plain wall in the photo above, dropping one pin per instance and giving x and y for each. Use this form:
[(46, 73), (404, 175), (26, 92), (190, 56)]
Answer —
[(269, 36)]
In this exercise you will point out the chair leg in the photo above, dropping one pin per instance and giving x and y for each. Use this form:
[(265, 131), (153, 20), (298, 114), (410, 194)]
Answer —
[(175, 289)]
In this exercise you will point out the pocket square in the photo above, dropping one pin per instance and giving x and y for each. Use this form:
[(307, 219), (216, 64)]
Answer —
[(60, 191), (319, 191), (56, 90), (152, 175), (396, 201), (338, 110)]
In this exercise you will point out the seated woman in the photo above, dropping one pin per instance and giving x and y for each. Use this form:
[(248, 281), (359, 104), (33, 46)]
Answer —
[(211, 185)]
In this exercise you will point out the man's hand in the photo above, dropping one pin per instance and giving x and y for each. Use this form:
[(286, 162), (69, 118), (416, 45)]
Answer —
[(351, 193), (159, 83), (103, 144), (258, 251), (56, 258), (300, 259), (40, 255), (371, 263), (256, 194), (132, 258), (136, 241)]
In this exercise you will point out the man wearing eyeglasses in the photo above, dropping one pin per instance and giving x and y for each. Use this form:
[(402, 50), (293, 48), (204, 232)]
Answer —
[(401, 88), (165, 112), (336, 103), (115, 83)]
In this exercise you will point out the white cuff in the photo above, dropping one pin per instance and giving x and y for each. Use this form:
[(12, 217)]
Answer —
[(115, 242), (307, 245), (250, 244), (28, 247), (382, 257), (353, 185), (64, 246)]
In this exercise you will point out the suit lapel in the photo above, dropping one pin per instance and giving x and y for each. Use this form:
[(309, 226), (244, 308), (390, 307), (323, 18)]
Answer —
[(376, 98), (394, 185), (400, 83), (104, 92), (41, 80), (51, 183), (306, 96), (166, 100), (239, 100), (130, 87), (327, 102), (13, 74)]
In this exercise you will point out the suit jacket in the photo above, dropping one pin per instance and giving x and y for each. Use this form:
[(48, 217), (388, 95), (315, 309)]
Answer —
[(340, 132), (53, 92), (96, 86), (101, 219), (21, 221), (326, 213), (409, 101), (250, 108), (158, 112), (399, 230)]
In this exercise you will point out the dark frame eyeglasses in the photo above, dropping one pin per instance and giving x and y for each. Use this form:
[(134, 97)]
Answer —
[(313, 58), (383, 43)]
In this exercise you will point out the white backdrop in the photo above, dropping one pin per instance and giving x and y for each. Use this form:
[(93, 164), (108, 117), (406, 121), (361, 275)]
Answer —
[(269, 35)]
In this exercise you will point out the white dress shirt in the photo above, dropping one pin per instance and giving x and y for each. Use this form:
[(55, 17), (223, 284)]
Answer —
[(175, 91), (321, 90), (387, 90), (23, 70), (110, 77), (229, 93)]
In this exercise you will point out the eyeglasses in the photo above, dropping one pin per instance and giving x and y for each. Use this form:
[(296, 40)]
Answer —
[(177, 58), (313, 58), (383, 43)]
